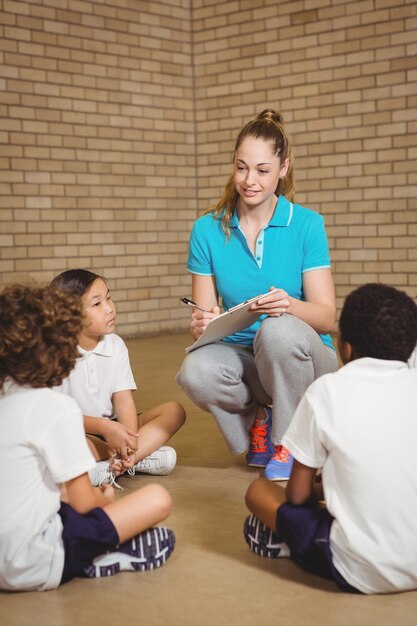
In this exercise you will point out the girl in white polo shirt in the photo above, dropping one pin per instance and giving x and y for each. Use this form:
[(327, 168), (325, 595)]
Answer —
[(102, 384)]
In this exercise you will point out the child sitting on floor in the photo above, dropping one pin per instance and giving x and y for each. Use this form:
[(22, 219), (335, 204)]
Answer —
[(102, 384), (360, 425), (45, 542)]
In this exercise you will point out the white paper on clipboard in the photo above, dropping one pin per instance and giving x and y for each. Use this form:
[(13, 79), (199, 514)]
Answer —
[(232, 321)]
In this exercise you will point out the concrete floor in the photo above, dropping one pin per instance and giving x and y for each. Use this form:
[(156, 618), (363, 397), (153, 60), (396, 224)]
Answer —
[(212, 579)]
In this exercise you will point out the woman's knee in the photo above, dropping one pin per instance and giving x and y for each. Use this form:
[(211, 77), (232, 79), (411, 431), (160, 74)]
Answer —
[(203, 375), (196, 375), (280, 336)]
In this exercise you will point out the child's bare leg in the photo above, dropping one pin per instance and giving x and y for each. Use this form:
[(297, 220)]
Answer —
[(156, 426), (263, 499), (99, 448), (139, 511)]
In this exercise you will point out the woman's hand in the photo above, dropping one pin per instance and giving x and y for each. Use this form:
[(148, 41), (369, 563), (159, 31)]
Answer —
[(274, 304), (201, 319)]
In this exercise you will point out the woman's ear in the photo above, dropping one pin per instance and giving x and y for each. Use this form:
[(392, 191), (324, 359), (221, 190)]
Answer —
[(284, 168)]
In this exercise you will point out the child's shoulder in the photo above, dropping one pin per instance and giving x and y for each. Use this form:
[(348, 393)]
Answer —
[(110, 344), (116, 339), (39, 399)]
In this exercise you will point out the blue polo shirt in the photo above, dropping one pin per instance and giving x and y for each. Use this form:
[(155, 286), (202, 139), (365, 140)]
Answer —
[(293, 242)]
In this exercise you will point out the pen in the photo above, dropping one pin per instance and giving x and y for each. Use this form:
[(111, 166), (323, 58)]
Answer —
[(191, 303)]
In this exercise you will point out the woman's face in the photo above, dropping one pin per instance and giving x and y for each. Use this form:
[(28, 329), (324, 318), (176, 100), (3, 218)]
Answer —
[(257, 171), (99, 310)]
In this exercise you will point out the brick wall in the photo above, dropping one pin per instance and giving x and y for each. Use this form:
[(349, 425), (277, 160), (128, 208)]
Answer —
[(118, 120), (97, 154), (344, 74)]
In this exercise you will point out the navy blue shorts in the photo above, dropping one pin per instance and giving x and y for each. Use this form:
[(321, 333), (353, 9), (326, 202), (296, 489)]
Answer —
[(85, 537), (306, 531)]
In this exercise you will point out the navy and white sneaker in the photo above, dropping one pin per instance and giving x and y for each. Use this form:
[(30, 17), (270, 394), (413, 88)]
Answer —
[(262, 540), (146, 551)]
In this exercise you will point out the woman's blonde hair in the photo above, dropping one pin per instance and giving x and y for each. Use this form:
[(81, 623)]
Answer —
[(268, 126)]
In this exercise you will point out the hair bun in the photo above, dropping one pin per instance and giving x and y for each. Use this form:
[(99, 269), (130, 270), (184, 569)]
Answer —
[(270, 115)]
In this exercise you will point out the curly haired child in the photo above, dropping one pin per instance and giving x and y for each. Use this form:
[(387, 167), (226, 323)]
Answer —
[(44, 540)]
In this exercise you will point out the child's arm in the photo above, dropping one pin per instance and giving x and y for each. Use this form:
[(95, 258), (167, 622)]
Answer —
[(83, 497), (119, 438), (125, 409), (302, 487)]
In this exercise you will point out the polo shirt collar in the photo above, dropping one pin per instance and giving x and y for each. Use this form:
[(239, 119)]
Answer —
[(378, 366), (103, 348), (282, 215)]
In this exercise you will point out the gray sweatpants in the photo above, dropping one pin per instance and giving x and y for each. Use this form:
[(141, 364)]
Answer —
[(230, 380)]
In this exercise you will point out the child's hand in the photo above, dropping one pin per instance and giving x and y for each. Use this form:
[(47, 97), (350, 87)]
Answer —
[(121, 439), (116, 466), (128, 464)]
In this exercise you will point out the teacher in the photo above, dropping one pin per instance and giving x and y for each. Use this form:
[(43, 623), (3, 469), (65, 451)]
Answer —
[(255, 240)]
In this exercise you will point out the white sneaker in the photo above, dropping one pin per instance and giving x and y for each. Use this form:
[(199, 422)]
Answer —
[(159, 463), (101, 474)]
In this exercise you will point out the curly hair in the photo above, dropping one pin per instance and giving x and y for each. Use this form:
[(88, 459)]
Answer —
[(39, 327), (269, 126), (380, 322)]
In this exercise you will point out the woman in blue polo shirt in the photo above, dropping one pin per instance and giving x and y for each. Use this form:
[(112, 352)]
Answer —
[(255, 241)]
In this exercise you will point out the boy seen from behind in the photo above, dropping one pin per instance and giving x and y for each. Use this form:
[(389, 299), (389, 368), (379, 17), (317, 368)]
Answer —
[(360, 426)]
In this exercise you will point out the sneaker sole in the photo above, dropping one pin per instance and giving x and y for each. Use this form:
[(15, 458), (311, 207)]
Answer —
[(254, 464), (147, 551), (262, 540), (277, 479)]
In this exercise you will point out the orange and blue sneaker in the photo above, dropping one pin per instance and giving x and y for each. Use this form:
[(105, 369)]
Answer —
[(261, 447), (280, 465)]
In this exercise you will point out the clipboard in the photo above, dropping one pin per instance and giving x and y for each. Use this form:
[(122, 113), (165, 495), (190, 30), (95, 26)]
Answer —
[(232, 321)]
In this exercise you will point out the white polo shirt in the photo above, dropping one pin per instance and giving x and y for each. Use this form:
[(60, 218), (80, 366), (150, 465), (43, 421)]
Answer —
[(360, 425), (97, 375), (42, 444), (412, 362)]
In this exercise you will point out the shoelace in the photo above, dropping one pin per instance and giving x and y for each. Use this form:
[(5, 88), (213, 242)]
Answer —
[(281, 454), (146, 463), (258, 437), (112, 479)]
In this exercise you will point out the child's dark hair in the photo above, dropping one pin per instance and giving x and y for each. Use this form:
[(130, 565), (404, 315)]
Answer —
[(76, 281), (39, 327), (380, 322)]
